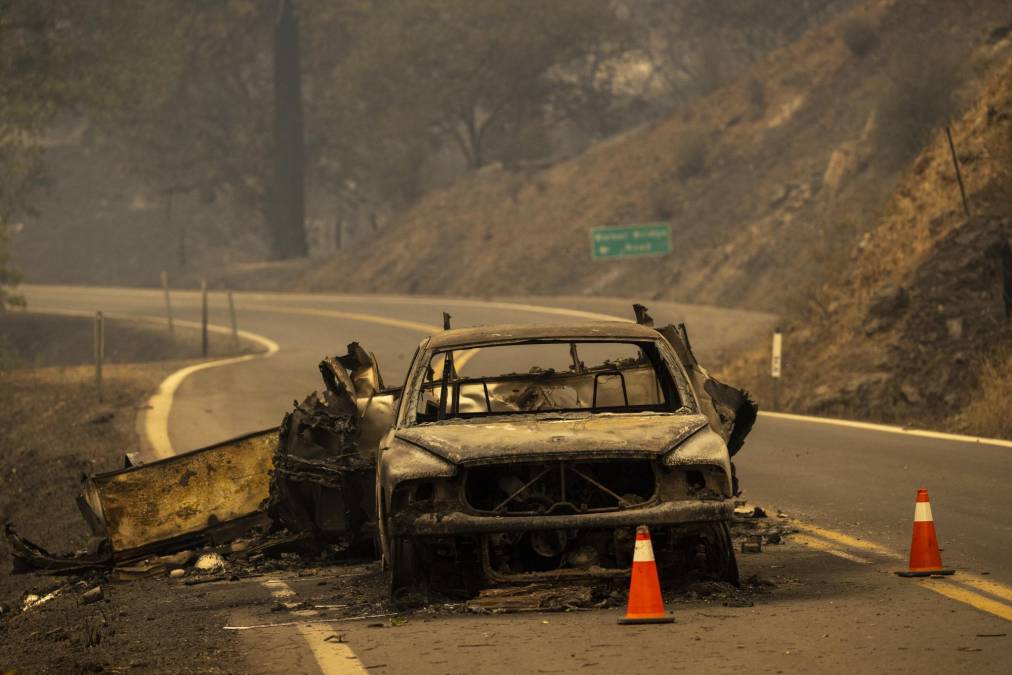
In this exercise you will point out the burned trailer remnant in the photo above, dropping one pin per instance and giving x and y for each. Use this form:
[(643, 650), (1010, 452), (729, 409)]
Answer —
[(540, 458), (203, 497), (316, 463)]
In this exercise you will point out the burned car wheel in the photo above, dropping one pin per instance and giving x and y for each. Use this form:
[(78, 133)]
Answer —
[(717, 554), (407, 578)]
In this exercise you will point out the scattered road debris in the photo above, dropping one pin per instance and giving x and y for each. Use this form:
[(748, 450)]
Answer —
[(92, 595), (33, 600), (534, 597), (308, 621), (210, 562)]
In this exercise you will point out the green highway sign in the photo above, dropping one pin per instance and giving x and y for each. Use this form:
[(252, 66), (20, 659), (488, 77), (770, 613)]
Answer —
[(630, 241)]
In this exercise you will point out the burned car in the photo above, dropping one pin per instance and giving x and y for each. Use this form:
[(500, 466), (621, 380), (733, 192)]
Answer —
[(511, 453), (525, 452)]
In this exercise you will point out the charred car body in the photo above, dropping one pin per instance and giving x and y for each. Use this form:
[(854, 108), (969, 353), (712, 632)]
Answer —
[(511, 453), (541, 453)]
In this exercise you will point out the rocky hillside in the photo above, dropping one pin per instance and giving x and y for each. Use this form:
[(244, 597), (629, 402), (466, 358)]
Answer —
[(918, 330), (767, 182)]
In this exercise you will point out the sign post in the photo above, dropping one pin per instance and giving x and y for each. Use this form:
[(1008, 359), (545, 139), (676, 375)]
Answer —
[(630, 241), (775, 365), (168, 304)]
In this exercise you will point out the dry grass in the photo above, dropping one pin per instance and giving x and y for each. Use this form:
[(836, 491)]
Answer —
[(745, 205), (990, 412), (54, 430), (860, 37)]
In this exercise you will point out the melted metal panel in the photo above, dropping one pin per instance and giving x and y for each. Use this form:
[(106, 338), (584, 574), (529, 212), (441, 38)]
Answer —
[(186, 494)]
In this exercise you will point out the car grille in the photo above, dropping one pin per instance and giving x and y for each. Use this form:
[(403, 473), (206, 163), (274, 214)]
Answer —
[(558, 488)]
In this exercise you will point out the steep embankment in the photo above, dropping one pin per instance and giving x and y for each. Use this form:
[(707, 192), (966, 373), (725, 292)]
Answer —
[(918, 330), (764, 182)]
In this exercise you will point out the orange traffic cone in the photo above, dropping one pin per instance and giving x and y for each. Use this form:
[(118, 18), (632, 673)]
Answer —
[(645, 602), (925, 559)]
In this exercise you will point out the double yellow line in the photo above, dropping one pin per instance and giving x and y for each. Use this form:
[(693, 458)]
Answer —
[(983, 594)]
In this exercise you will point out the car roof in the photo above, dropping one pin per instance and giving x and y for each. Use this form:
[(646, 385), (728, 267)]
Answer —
[(506, 333)]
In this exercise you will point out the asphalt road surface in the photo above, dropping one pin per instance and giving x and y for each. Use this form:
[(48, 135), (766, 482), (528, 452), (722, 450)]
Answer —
[(852, 488)]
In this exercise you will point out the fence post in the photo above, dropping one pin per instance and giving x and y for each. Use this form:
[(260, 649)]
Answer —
[(235, 324), (203, 317), (959, 174), (168, 304), (99, 352)]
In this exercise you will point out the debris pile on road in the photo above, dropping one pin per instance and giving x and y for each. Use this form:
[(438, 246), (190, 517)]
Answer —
[(541, 597), (751, 528), (321, 480), (301, 485)]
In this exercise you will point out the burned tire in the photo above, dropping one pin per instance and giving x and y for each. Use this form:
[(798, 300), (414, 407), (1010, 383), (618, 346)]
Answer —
[(720, 561), (406, 574)]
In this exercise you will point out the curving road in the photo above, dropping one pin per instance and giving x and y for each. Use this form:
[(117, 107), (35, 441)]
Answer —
[(855, 486), (857, 480)]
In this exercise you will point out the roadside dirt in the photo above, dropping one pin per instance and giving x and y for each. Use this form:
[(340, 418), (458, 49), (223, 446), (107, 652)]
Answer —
[(54, 431), (765, 193), (916, 330)]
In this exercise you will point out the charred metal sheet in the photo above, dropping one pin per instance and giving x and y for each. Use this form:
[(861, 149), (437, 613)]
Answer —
[(532, 597), (461, 338), (162, 505), (28, 557), (731, 412), (569, 435)]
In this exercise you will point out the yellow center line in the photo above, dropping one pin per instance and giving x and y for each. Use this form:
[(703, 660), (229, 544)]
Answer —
[(960, 594), (847, 540), (425, 328), (963, 587), (821, 545), (986, 585), (333, 656)]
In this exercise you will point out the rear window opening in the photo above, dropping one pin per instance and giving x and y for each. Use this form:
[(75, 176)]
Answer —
[(545, 376)]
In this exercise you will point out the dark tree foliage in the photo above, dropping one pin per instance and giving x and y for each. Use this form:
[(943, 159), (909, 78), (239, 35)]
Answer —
[(59, 58), (286, 197)]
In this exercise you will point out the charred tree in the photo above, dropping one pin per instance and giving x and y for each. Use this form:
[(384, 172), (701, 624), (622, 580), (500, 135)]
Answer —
[(286, 199)]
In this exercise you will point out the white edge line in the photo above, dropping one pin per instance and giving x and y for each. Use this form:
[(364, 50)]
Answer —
[(154, 418), (886, 428)]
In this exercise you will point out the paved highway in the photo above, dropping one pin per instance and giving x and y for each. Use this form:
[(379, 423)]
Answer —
[(854, 487)]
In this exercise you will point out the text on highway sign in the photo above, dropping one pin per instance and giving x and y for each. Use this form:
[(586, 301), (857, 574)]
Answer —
[(630, 241)]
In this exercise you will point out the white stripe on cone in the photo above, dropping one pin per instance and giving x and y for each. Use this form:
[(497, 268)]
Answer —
[(643, 552), (922, 512)]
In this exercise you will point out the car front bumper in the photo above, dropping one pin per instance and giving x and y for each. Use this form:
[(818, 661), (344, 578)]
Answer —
[(682, 512)]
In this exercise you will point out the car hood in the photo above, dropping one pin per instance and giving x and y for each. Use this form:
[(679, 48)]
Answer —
[(540, 437)]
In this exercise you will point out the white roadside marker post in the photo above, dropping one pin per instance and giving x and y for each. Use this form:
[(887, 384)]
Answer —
[(203, 317), (775, 366)]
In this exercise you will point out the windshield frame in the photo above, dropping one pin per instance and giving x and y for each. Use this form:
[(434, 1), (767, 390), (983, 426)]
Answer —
[(416, 381)]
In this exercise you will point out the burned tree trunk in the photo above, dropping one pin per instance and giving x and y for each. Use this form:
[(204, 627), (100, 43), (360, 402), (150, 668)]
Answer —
[(286, 207)]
